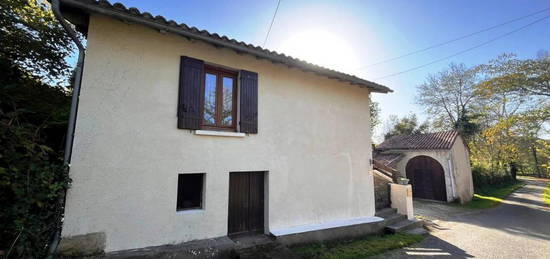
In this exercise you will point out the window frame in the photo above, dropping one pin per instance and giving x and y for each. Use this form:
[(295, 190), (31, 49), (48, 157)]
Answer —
[(220, 74), (202, 193)]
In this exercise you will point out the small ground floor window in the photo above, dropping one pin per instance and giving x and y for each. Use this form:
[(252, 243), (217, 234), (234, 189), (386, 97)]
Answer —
[(190, 191)]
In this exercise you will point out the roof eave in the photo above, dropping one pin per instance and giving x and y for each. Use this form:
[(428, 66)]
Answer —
[(161, 24), (411, 149)]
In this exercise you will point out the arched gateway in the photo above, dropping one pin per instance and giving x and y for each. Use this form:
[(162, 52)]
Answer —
[(427, 178)]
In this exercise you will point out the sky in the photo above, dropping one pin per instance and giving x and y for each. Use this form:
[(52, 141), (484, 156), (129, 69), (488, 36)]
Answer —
[(348, 36)]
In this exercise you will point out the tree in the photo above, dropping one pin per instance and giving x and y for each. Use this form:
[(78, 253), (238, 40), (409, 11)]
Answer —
[(449, 96), (514, 106), (467, 125), (33, 40), (407, 125), (374, 110), (33, 120), (523, 77)]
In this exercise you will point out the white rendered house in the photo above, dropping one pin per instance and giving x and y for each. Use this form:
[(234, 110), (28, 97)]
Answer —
[(184, 135)]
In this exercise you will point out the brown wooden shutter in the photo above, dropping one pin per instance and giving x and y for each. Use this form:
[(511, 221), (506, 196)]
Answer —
[(190, 91), (249, 102)]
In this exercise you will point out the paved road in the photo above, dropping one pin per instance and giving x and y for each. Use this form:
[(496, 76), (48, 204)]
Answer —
[(519, 228)]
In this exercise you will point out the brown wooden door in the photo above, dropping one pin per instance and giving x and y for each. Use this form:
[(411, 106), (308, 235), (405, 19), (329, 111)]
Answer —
[(246, 202), (427, 178)]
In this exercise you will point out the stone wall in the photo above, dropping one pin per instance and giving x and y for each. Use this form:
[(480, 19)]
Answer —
[(381, 190)]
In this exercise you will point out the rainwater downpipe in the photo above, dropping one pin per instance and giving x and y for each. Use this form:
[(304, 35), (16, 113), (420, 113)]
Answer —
[(72, 115)]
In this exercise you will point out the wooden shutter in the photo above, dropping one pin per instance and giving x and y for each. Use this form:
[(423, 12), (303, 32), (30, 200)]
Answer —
[(190, 91), (248, 102)]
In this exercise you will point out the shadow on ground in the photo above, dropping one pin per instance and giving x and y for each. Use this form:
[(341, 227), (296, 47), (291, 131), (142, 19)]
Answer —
[(519, 227), (431, 247), (523, 213)]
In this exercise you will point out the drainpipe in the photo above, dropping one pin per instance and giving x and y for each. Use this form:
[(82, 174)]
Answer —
[(72, 116)]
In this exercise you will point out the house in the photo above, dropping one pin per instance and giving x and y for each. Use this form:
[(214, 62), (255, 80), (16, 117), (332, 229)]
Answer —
[(186, 135), (436, 164)]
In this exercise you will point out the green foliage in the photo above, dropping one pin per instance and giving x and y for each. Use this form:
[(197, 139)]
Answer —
[(406, 126), (33, 40), (490, 196), (501, 109), (33, 117), (525, 77), (374, 114), (546, 195), (484, 177), (467, 125), (449, 96), (32, 174), (359, 248)]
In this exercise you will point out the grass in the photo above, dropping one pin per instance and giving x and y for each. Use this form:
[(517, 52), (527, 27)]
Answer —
[(546, 195), (492, 196), (358, 248)]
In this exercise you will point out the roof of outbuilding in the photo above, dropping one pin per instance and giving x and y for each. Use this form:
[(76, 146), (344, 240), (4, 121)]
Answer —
[(158, 22), (437, 140), (387, 159)]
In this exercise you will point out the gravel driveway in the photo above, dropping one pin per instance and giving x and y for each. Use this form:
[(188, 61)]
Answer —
[(519, 228)]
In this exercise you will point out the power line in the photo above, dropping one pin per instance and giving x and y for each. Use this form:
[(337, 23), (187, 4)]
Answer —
[(466, 50), (271, 25), (453, 40)]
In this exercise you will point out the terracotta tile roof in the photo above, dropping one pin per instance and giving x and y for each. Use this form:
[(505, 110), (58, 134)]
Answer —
[(437, 140), (158, 22), (386, 159), (386, 163)]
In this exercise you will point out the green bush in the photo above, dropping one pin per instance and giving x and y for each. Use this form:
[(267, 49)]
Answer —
[(483, 177), (33, 120), (32, 175)]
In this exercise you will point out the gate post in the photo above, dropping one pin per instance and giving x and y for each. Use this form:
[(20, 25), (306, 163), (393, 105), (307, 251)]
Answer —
[(401, 199)]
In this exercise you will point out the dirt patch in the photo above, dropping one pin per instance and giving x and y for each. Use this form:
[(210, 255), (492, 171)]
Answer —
[(434, 210)]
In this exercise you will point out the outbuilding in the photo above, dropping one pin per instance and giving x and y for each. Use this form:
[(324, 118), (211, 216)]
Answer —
[(436, 164)]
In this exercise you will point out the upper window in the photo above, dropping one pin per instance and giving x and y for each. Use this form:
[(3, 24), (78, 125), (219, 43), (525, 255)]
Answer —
[(207, 98), (219, 110)]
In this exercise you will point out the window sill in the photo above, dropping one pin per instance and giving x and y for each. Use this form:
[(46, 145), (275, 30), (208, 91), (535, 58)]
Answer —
[(190, 211), (220, 133)]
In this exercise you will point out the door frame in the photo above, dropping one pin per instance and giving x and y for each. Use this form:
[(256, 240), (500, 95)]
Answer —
[(265, 201), (443, 188)]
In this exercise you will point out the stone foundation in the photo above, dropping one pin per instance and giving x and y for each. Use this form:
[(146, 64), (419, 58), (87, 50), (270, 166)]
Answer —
[(81, 245)]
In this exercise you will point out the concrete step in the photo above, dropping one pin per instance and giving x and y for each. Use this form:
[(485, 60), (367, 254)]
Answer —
[(383, 213), (404, 225), (417, 231), (394, 218)]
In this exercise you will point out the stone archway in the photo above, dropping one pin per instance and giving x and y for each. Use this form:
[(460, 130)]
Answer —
[(427, 178)]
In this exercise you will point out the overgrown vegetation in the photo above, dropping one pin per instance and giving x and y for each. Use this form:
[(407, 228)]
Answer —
[(359, 248), (502, 110), (407, 125), (34, 109), (483, 177), (546, 195), (492, 195)]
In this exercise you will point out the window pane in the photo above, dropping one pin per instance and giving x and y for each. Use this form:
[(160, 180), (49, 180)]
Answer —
[(210, 99), (227, 111)]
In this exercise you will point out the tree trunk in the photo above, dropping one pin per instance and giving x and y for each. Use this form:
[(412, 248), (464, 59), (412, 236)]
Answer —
[(534, 150), (513, 170)]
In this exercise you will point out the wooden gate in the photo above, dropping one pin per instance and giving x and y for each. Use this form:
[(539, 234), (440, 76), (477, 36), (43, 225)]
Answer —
[(427, 178), (246, 202)]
